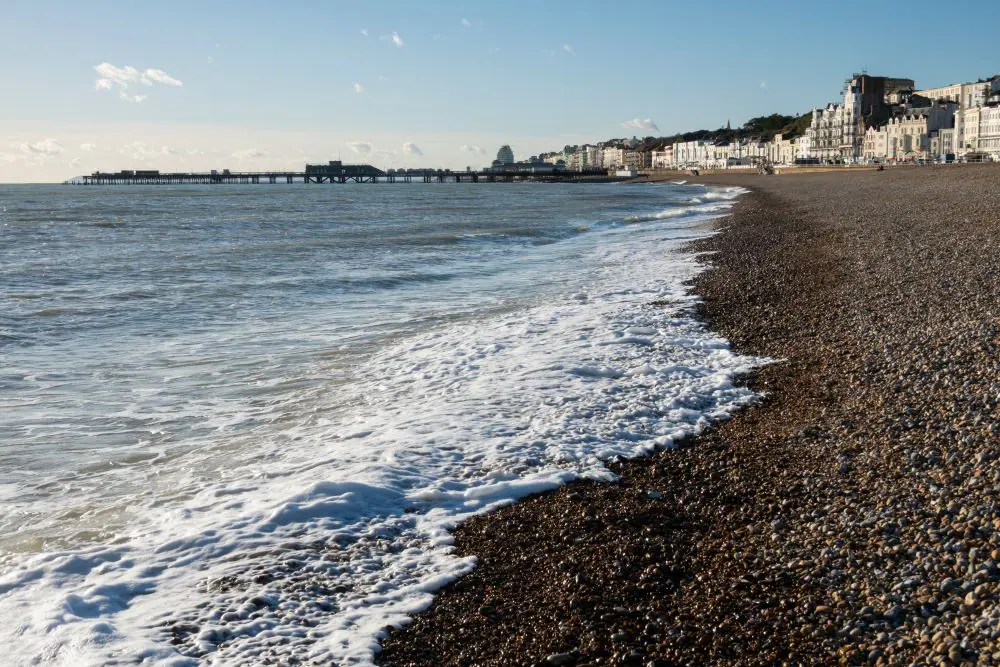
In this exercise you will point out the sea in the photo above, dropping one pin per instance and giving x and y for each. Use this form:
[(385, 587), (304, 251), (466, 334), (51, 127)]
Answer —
[(238, 424)]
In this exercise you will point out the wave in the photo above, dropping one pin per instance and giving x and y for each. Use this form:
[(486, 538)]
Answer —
[(695, 206), (304, 523)]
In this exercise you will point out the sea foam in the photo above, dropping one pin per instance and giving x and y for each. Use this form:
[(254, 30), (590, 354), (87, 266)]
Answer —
[(343, 527)]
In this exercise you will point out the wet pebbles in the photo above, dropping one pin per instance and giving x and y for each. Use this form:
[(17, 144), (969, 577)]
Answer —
[(853, 517)]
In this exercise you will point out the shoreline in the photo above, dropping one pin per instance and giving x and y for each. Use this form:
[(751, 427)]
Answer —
[(847, 518)]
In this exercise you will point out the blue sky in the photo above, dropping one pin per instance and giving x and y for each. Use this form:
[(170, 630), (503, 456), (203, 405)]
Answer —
[(270, 85)]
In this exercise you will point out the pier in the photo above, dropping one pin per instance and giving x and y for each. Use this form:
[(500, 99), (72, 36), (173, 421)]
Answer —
[(336, 172)]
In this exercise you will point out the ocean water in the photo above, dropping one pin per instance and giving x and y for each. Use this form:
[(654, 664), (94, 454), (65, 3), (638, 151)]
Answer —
[(238, 423)]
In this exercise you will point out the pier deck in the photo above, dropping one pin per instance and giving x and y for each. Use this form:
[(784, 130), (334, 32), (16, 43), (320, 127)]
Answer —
[(335, 172)]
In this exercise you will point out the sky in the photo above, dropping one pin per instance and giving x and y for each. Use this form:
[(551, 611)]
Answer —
[(253, 86)]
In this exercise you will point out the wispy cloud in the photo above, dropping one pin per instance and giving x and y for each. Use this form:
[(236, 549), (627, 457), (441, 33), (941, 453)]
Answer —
[(362, 147), (74, 162), (211, 60), (411, 148), (763, 84), (466, 23), (394, 38), (140, 151), (475, 150), (45, 147), (383, 78), (640, 124), (110, 76), (249, 154), (159, 76), (364, 32), (88, 147), (358, 88), (569, 49)]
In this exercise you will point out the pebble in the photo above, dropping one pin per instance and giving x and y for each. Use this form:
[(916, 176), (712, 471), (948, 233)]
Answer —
[(851, 517)]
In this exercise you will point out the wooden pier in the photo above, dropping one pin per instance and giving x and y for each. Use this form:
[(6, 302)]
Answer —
[(336, 172)]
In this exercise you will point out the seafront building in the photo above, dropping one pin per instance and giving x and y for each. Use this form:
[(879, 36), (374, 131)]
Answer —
[(504, 156), (877, 119), (612, 157), (837, 131)]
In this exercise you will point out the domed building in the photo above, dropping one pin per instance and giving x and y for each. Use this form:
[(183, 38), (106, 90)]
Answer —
[(505, 155)]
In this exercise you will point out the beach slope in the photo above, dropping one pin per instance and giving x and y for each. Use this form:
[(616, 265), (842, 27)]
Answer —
[(851, 517)]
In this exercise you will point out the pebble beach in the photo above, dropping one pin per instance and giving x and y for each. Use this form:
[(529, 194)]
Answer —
[(851, 517)]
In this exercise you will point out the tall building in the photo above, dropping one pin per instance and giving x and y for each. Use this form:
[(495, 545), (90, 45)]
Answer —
[(837, 131), (505, 155)]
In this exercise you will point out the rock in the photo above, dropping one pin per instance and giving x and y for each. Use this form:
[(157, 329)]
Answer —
[(557, 659), (949, 585)]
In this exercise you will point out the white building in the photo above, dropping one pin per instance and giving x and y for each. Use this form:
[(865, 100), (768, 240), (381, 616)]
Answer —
[(691, 153), (663, 159), (803, 146), (966, 95), (781, 150), (837, 131), (908, 136), (875, 146), (977, 130), (612, 157), (590, 157)]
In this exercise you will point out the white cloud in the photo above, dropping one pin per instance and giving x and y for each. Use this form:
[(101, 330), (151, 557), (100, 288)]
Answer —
[(358, 88), (364, 32), (75, 161), (249, 154), (88, 147), (211, 60), (397, 40), (123, 77), (383, 78), (569, 49), (360, 146), (159, 76), (640, 124), (466, 23), (46, 147), (140, 151), (763, 84), (475, 150), (411, 148)]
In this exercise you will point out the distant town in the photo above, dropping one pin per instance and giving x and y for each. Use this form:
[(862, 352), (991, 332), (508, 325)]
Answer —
[(879, 120)]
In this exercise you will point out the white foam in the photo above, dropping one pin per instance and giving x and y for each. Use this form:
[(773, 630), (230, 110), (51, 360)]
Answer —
[(696, 206), (339, 524)]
